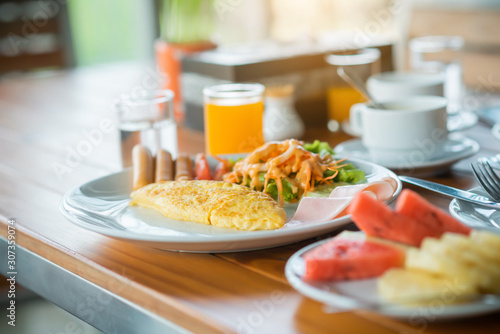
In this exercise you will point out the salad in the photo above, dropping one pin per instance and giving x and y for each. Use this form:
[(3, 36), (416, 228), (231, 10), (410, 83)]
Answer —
[(290, 169)]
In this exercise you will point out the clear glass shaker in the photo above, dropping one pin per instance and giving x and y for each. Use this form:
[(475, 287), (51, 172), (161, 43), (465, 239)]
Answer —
[(441, 54)]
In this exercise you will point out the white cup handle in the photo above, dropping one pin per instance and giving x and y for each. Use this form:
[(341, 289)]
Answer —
[(457, 126), (356, 118)]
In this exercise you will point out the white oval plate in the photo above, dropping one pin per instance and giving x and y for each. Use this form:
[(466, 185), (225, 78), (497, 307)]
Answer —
[(362, 295), (475, 215), (102, 206)]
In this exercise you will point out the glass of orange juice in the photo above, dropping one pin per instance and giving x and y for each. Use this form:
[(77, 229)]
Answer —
[(233, 118), (341, 96)]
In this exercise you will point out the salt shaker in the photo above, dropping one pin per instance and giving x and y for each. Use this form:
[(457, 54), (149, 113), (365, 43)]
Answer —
[(281, 120)]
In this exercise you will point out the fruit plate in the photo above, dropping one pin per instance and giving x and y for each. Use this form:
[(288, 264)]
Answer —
[(102, 206), (362, 295)]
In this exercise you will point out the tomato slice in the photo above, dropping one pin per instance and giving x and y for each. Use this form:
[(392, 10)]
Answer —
[(224, 166), (201, 168), (220, 170)]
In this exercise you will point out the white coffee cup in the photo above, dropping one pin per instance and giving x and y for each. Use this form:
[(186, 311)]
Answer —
[(412, 128), (393, 85)]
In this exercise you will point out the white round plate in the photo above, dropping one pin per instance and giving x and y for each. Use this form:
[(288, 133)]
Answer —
[(362, 295), (102, 206), (474, 215), (456, 148)]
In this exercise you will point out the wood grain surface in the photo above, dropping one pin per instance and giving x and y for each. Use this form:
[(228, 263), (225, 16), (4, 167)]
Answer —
[(42, 116)]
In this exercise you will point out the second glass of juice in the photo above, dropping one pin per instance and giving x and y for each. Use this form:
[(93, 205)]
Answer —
[(233, 118), (341, 96)]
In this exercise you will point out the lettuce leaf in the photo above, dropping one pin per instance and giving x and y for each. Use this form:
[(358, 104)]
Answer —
[(350, 174), (288, 194), (321, 190), (320, 147)]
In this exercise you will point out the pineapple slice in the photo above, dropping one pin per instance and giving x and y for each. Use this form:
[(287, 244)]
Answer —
[(433, 263), (462, 243), (486, 239), (466, 265), (450, 269), (416, 286)]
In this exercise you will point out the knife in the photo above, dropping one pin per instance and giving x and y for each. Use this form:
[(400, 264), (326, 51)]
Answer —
[(451, 192)]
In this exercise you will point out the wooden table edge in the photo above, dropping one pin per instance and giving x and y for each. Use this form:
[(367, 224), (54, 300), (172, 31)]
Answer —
[(185, 318), (57, 255)]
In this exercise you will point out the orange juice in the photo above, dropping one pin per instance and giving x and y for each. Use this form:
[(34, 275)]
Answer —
[(233, 128), (340, 99)]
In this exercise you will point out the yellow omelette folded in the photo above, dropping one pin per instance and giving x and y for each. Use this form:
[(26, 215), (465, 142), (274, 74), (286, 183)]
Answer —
[(217, 203)]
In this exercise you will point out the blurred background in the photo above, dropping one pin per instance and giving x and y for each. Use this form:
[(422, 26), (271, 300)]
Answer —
[(193, 43), (48, 34), (284, 40)]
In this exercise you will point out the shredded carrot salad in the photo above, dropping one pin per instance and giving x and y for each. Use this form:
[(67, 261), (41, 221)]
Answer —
[(285, 160)]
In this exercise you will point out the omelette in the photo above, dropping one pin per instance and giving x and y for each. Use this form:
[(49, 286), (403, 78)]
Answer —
[(217, 203)]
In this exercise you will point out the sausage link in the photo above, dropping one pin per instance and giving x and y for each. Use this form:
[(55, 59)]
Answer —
[(164, 167), (183, 168), (142, 162)]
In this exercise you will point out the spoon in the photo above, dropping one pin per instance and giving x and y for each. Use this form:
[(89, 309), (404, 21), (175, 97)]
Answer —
[(355, 81)]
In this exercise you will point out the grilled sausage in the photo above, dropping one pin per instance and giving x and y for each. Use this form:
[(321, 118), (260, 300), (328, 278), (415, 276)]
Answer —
[(164, 168), (142, 162), (183, 168)]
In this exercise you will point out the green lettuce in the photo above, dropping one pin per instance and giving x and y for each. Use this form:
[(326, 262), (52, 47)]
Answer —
[(321, 190), (347, 174), (320, 147), (287, 192), (350, 174)]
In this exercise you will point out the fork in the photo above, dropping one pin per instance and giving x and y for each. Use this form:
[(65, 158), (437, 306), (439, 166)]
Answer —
[(495, 161), (486, 176)]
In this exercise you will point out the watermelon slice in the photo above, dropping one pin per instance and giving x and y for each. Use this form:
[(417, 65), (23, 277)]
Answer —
[(377, 219), (351, 255), (411, 204), (414, 219)]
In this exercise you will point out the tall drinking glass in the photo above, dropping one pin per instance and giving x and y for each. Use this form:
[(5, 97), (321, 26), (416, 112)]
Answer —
[(233, 118), (341, 96), (441, 54), (146, 117)]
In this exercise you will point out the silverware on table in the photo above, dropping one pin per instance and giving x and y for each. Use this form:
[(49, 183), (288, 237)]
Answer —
[(452, 192), (486, 176), (355, 81), (494, 161)]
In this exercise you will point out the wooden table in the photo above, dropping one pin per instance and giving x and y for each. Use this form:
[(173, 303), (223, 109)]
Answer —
[(122, 288)]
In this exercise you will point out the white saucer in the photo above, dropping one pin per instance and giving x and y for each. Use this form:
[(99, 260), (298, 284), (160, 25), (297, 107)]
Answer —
[(456, 148)]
